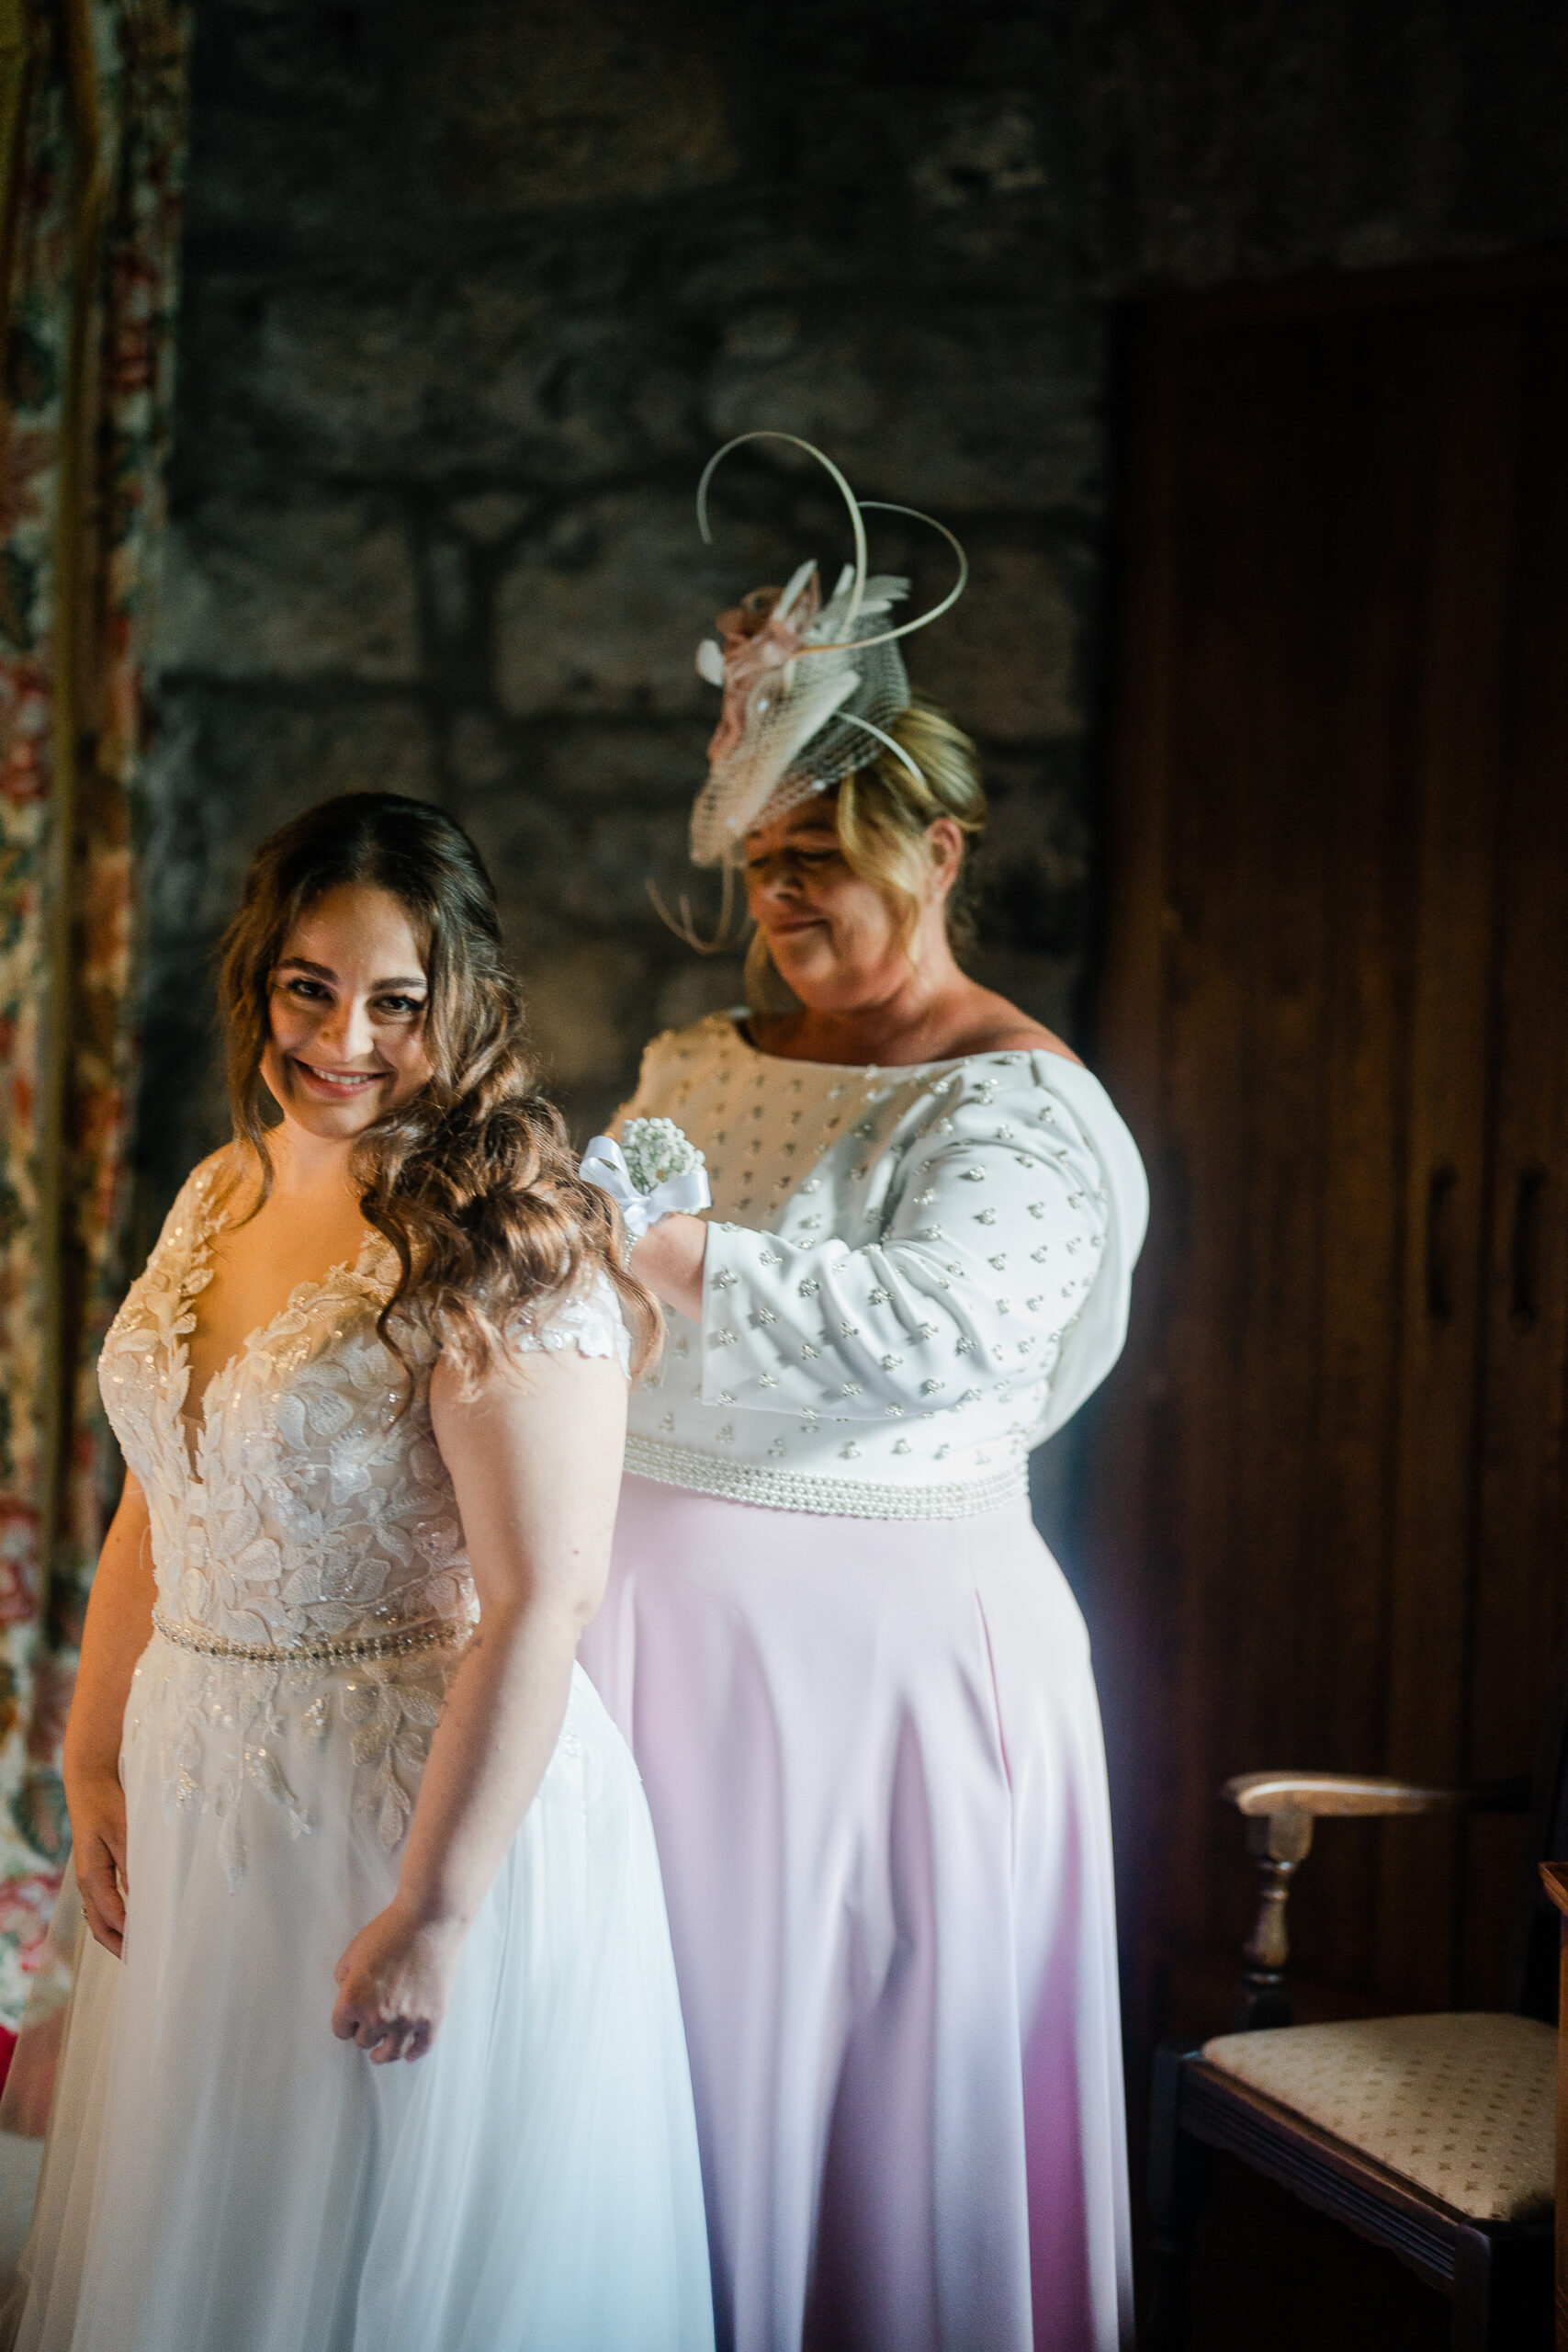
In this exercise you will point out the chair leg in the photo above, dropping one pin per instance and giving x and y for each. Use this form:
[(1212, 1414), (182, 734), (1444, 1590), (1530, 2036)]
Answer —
[(1472, 2305), (1178, 2179), (1505, 2288)]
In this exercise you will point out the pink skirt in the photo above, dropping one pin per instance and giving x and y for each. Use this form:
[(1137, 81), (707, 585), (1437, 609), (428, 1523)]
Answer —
[(873, 1757)]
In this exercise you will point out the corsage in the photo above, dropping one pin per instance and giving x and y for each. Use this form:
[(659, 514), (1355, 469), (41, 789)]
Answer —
[(654, 1172)]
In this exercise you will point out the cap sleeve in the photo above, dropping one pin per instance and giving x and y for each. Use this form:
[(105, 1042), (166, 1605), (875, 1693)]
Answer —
[(589, 1320), (198, 1199)]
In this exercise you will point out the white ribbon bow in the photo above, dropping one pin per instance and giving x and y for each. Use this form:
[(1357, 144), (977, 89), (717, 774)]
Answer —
[(605, 1164)]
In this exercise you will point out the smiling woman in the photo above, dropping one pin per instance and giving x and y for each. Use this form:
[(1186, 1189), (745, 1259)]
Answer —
[(860, 897), (344, 1044), (364, 997), (330, 1729), (323, 1017)]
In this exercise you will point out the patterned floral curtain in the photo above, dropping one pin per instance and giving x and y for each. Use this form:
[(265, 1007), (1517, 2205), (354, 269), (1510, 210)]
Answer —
[(91, 145)]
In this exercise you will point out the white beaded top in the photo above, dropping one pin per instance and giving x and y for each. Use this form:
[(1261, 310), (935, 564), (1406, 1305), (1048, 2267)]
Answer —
[(913, 1276)]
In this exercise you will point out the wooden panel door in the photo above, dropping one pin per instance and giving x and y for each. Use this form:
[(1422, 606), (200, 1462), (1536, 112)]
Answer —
[(1521, 1554), (1340, 643)]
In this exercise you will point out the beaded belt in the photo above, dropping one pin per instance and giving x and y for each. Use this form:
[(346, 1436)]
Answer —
[(755, 1482), (399, 1642)]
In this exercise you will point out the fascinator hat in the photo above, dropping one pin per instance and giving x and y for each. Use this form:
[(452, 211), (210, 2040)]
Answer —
[(810, 686)]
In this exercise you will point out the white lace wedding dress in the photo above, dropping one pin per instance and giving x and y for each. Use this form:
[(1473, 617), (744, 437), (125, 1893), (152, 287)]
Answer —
[(220, 2174)]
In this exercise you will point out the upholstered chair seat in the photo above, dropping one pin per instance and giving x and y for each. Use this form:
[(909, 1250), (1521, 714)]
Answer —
[(1463, 2105)]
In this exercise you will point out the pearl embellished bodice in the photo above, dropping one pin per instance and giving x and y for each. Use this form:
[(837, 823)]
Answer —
[(913, 1276)]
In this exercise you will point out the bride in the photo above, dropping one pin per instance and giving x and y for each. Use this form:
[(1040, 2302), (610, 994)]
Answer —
[(332, 1768)]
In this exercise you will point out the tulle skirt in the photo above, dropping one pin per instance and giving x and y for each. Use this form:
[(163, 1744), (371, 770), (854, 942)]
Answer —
[(223, 2176), (873, 1757)]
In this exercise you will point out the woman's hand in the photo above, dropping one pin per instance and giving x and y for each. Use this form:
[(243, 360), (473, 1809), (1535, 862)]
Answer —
[(97, 1803), (394, 1982), (669, 1259), (119, 1628)]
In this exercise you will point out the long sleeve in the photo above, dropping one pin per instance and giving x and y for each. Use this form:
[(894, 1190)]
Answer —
[(913, 1275), (986, 1219)]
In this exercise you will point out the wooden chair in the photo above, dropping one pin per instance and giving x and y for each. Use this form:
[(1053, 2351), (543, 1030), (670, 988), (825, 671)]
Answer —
[(1433, 2136), (1555, 1877)]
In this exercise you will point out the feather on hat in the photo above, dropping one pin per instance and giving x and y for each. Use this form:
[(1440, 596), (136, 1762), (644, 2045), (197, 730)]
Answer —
[(809, 688)]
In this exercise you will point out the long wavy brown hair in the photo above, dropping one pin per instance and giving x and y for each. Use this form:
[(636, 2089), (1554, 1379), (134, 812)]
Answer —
[(473, 1179)]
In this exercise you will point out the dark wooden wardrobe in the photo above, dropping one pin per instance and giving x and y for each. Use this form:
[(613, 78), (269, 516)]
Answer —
[(1327, 1522)]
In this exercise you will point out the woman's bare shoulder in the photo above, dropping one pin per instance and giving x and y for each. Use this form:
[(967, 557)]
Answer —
[(992, 1026)]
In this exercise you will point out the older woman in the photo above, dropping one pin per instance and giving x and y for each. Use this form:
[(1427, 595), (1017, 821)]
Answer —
[(855, 1683)]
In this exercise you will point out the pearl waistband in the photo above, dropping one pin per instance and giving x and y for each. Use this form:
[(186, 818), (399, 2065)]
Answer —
[(398, 1641), (752, 1482)]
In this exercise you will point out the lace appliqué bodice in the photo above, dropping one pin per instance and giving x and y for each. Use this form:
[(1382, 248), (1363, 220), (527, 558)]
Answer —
[(316, 1515)]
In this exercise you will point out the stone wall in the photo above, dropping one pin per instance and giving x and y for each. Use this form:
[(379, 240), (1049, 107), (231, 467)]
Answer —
[(474, 287)]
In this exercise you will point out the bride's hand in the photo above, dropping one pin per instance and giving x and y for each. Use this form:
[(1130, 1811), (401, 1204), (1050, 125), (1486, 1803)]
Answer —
[(394, 1982), (97, 1843)]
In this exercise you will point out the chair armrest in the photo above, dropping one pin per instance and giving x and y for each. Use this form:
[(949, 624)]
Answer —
[(1337, 1795), (1279, 1809), (1554, 1878), (1334, 1795)]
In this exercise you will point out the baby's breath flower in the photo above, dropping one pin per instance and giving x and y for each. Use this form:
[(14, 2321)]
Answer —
[(655, 1149)]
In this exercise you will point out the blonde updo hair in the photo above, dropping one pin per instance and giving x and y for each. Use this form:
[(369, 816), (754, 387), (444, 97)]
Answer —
[(883, 815)]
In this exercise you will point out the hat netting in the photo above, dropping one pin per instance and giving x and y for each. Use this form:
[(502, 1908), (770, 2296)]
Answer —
[(810, 689)]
